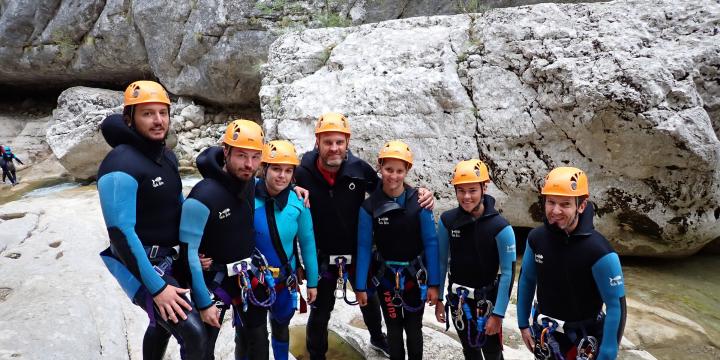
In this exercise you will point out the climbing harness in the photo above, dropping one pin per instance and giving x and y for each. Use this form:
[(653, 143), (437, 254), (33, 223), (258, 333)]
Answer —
[(400, 270), (463, 313)]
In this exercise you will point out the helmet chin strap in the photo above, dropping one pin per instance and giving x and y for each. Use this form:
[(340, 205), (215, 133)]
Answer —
[(482, 197)]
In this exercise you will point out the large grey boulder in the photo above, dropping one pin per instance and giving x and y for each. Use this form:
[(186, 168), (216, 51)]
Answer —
[(74, 134), (625, 90)]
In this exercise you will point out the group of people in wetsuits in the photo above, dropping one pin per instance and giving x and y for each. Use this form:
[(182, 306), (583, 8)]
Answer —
[(262, 221), (7, 165)]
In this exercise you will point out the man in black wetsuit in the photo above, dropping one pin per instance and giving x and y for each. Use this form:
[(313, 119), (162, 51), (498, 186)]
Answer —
[(217, 221), (141, 197), (338, 182), (575, 271)]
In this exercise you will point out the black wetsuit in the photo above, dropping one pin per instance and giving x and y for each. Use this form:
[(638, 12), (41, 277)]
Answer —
[(403, 233), (574, 275), (477, 249), (335, 214), (217, 220), (141, 196)]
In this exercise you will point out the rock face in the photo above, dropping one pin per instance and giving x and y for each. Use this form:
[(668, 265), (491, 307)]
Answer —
[(207, 49), (627, 91)]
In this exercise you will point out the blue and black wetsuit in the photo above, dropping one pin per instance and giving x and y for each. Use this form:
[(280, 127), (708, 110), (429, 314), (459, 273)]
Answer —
[(281, 223), (477, 249), (141, 196), (403, 233), (574, 275), (335, 214), (217, 220), (8, 166)]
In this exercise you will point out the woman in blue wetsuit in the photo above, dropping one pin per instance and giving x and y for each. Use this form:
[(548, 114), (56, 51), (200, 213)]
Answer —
[(408, 272), (281, 223), (480, 245)]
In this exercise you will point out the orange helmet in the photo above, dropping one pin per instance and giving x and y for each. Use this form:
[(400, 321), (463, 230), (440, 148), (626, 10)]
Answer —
[(470, 171), (566, 181), (145, 91), (280, 152), (396, 149), (332, 122), (244, 134)]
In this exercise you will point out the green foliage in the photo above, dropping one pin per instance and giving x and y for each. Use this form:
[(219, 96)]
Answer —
[(471, 6), (333, 20), (66, 44), (270, 7)]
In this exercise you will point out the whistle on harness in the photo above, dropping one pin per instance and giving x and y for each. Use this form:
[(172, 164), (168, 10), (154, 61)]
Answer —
[(421, 277)]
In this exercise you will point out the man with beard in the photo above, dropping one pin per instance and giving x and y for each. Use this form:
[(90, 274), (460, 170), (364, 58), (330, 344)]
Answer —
[(338, 182), (141, 198), (217, 221)]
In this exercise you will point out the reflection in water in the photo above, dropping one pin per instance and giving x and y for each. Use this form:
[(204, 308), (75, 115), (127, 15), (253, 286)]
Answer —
[(689, 287), (337, 347)]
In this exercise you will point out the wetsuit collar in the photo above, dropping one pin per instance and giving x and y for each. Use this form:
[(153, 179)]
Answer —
[(382, 203), (465, 217), (584, 227), (116, 133), (347, 168), (210, 163), (280, 199)]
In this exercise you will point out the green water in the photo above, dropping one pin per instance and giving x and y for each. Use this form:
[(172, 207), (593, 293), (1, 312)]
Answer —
[(337, 347), (689, 287)]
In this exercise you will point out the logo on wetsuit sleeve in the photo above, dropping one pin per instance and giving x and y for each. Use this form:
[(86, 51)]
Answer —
[(539, 258), (224, 214), (455, 233), (157, 182), (615, 281), (510, 248), (383, 221)]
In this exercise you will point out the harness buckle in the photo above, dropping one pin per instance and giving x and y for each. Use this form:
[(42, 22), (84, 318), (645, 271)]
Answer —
[(154, 251), (159, 271)]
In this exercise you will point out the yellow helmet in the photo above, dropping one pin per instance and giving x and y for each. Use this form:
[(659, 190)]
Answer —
[(470, 171), (280, 152), (145, 91), (566, 181), (396, 149), (244, 134), (332, 122)]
